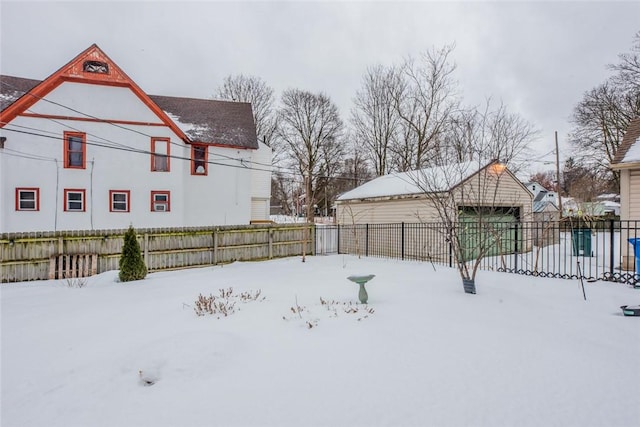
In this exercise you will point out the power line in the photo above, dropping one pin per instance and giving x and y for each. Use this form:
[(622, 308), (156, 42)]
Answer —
[(123, 147), (107, 121)]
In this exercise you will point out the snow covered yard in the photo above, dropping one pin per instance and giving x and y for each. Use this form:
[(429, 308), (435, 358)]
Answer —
[(524, 351)]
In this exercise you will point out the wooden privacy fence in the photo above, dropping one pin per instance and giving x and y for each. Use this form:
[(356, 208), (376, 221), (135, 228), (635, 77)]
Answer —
[(38, 256)]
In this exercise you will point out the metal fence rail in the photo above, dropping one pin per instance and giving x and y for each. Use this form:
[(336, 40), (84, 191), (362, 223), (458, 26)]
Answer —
[(569, 249)]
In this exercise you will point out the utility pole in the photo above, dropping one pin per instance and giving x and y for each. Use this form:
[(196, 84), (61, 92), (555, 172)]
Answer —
[(558, 188)]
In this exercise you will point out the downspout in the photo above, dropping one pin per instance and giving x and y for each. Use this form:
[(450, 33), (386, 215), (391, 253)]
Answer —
[(55, 218), (91, 192)]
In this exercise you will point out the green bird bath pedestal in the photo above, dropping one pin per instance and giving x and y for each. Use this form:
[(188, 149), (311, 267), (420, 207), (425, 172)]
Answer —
[(361, 280)]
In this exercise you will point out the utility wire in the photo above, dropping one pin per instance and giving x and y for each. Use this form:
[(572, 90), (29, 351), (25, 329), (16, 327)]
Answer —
[(107, 121), (122, 147)]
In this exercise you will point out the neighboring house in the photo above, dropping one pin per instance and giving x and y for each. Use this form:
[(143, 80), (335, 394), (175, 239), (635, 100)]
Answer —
[(540, 193), (545, 210), (544, 203), (87, 148), (488, 191), (627, 163), (397, 197)]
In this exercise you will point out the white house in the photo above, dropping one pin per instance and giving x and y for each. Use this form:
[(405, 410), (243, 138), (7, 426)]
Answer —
[(87, 148)]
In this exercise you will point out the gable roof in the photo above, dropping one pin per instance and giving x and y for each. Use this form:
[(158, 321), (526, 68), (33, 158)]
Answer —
[(441, 178), (629, 150), (542, 205), (223, 123)]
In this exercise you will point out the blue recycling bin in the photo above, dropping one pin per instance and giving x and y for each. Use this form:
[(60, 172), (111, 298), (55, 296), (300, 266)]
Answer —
[(635, 241)]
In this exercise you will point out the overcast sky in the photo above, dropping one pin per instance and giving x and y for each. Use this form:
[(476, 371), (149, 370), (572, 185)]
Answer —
[(536, 57)]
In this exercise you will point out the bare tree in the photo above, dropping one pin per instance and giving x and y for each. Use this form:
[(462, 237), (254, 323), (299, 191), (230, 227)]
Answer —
[(466, 198), (584, 183), (546, 179), (254, 90), (628, 68), (487, 134), (374, 116), (424, 99), (602, 116), (310, 130), (282, 193)]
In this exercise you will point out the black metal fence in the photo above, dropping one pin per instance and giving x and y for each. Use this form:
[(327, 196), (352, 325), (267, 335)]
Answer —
[(568, 249)]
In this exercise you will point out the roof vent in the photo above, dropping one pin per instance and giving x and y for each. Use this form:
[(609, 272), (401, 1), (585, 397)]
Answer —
[(95, 67)]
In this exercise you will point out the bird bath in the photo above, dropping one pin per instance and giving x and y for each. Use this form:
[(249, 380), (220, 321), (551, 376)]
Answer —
[(361, 280)]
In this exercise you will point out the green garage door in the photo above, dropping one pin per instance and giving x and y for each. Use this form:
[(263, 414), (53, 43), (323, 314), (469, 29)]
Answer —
[(492, 233)]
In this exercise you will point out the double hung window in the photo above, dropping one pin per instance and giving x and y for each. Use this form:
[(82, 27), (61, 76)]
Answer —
[(119, 200), (74, 200), (160, 152), (75, 150), (27, 199)]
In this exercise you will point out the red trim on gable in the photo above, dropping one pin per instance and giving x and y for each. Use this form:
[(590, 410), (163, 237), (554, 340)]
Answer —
[(89, 119), (216, 144), (73, 72)]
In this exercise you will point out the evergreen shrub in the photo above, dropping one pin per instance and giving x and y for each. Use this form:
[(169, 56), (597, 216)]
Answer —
[(132, 265)]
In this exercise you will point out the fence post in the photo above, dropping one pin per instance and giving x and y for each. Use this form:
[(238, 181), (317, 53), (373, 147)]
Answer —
[(515, 248), (366, 241), (450, 239), (270, 243), (215, 246), (313, 239), (338, 238), (402, 240), (611, 246), (146, 249)]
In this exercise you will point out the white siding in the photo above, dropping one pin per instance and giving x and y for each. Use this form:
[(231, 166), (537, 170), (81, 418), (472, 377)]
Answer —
[(259, 209), (110, 102), (261, 173), (634, 194), (221, 197), (386, 211)]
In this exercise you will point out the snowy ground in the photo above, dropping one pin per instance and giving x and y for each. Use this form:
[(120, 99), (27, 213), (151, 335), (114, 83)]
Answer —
[(522, 352)]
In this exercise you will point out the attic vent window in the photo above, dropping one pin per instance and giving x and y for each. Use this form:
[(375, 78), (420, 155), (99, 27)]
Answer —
[(95, 67)]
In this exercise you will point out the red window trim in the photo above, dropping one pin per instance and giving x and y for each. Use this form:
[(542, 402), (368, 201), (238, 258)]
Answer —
[(75, 190), (36, 198), (193, 159), (168, 202), (153, 155), (112, 192), (66, 149)]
